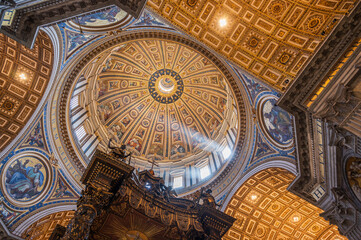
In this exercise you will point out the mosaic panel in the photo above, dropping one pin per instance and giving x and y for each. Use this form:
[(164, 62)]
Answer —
[(108, 19), (35, 137), (276, 122), (25, 179)]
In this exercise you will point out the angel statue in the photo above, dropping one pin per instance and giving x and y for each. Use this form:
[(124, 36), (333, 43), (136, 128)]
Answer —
[(119, 152), (207, 198)]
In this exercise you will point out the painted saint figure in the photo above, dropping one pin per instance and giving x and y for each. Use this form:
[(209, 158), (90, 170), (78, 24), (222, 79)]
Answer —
[(278, 122), (24, 182)]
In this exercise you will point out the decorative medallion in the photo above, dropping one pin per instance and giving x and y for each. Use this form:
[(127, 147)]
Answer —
[(25, 179), (276, 123), (314, 23), (165, 86), (277, 8)]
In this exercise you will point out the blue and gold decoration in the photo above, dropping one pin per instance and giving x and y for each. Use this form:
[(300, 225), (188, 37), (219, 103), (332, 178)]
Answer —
[(166, 86), (25, 179), (277, 122)]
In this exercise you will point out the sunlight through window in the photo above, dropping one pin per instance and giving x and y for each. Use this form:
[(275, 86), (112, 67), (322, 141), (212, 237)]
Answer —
[(226, 152), (178, 182), (204, 172)]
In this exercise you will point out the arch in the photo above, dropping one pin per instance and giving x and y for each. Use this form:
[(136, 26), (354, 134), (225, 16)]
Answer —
[(37, 107), (44, 227), (272, 162), (264, 209), (39, 215)]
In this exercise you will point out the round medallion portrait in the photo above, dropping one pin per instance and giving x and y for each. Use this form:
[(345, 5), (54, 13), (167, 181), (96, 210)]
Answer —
[(25, 179), (276, 122)]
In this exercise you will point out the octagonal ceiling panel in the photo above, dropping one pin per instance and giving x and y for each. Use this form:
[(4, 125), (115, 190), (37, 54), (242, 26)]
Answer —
[(273, 39), (163, 99), (264, 209)]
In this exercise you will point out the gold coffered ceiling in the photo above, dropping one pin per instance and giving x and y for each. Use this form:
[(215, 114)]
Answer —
[(24, 75), (164, 100), (273, 39), (43, 228), (264, 209)]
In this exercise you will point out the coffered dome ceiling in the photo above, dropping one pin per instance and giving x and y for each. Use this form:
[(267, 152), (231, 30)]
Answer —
[(24, 75), (164, 100), (167, 99), (272, 39), (264, 209)]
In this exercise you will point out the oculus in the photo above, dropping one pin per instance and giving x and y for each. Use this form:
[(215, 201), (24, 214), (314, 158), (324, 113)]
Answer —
[(165, 86)]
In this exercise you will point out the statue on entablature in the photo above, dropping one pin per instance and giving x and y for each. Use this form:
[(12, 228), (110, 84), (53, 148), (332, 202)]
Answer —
[(207, 198), (119, 152)]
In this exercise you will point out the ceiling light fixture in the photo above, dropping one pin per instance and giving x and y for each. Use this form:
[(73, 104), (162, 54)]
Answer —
[(253, 197), (22, 76), (296, 218), (222, 22)]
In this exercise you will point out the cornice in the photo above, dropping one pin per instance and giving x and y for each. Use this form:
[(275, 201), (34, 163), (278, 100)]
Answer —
[(346, 32), (27, 20), (343, 36)]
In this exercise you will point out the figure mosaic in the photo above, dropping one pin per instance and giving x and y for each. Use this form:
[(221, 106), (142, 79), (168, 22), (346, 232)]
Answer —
[(156, 149), (116, 132), (25, 179), (103, 17), (254, 87), (102, 88), (135, 144), (6, 214), (222, 105), (36, 137), (214, 126), (62, 190), (105, 112), (278, 122), (262, 148), (76, 39), (148, 20), (177, 149)]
